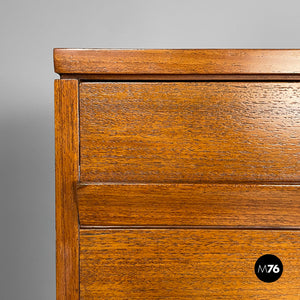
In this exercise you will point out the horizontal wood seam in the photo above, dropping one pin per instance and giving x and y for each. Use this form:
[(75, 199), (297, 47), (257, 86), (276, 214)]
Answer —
[(120, 227), (256, 183), (182, 78)]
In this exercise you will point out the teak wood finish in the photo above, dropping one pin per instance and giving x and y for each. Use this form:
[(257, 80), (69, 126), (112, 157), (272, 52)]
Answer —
[(66, 175), (175, 171), (189, 132), (180, 61), (185, 264), (230, 205)]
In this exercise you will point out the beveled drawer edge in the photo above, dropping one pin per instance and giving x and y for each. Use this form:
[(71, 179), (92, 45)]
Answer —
[(204, 206)]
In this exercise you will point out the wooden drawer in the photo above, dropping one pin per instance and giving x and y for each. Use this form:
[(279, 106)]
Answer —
[(185, 264), (240, 205), (189, 131), (175, 171)]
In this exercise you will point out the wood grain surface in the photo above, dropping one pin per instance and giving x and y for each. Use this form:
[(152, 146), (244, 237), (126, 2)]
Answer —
[(190, 131), (66, 177), (240, 205), (183, 77), (176, 172), (186, 264), (177, 61)]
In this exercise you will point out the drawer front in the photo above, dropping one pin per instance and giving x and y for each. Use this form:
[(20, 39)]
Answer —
[(189, 131), (186, 264), (241, 205)]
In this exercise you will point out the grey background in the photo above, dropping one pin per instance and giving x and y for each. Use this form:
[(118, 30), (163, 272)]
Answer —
[(29, 31)]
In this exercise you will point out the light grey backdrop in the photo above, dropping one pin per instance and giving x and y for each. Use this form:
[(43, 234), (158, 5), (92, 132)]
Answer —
[(29, 31)]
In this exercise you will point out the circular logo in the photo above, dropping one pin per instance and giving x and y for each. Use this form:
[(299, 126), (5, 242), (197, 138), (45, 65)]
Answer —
[(268, 268)]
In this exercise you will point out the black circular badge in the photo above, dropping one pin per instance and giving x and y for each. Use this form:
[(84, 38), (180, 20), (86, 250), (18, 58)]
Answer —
[(268, 268)]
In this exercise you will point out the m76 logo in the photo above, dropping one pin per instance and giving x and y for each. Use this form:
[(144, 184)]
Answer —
[(268, 268)]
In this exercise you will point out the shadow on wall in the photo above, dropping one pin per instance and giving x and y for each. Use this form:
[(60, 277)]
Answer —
[(27, 205)]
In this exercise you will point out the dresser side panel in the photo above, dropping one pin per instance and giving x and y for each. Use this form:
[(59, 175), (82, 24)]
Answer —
[(66, 173)]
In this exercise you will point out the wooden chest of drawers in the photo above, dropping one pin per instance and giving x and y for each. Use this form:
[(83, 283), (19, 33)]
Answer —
[(176, 170)]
